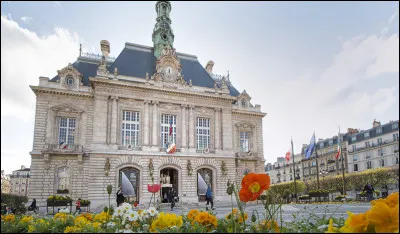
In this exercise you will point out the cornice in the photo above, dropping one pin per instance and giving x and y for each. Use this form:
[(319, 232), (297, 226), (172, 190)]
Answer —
[(117, 83), (243, 112), (38, 89)]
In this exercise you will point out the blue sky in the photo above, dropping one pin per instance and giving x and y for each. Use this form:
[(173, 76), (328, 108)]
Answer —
[(310, 65)]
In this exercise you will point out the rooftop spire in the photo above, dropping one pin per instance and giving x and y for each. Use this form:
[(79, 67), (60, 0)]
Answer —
[(163, 37)]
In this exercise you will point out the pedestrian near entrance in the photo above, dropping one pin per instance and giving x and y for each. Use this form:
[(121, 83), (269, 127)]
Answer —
[(171, 198), (120, 196), (370, 191), (78, 206), (209, 198)]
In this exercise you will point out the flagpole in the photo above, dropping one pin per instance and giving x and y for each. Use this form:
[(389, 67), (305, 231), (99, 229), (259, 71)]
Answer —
[(341, 156), (316, 159), (294, 171)]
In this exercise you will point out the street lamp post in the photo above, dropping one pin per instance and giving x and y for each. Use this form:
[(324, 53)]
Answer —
[(322, 173)]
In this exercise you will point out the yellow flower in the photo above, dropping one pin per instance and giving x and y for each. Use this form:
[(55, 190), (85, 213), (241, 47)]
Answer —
[(166, 221), (61, 216), (9, 218), (26, 219), (240, 219), (96, 224), (201, 217), (41, 221), (88, 216), (355, 223), (31, 228), (331, 228), (192, 214), (73, 229), (384, 218), (102, 217), (81, 221), (269, 225)]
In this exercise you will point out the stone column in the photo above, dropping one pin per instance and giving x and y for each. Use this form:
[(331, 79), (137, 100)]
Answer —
[(191, 127), (183, 120), (217, 135), (146, 121), (114, 115), (253, 139), (100, 120), (155, 123)]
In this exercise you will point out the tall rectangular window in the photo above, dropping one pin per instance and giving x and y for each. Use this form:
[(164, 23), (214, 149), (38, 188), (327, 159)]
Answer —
[(355, 167), (367, 144), (378, 131), (330, 142), (382, 162), (354, 148), (130, 128), (395, 136), (244, 142), (355, 157), (366, 134), (66, 131), (203, 133), (369, 165), (395, 126), (379, 140), (166, 122)]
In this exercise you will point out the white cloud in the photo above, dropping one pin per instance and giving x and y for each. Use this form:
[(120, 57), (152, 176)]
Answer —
[(9, 16), (57, 4), (25, 57), (26, 19)]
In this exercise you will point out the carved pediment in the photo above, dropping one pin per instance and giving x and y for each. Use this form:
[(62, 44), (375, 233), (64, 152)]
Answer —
[(203, 110), (245, 125), (169, 106), (66, 108), (69, 70)]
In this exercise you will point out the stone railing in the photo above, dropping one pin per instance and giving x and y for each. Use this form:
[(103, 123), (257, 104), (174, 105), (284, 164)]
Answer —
[(55, 148)]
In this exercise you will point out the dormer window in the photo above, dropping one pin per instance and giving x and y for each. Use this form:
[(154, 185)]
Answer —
[(70, 81)]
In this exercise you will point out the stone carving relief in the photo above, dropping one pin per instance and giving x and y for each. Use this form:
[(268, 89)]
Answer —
[(189, 167), (169, 106), (203, 110), (70, 78), (107, 167), (46, 159), (224, 169)]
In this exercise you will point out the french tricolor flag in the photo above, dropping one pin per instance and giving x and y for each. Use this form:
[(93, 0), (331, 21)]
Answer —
[(170, 127), (63, 145)]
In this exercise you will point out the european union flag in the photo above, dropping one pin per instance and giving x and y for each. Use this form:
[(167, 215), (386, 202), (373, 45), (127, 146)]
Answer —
[(311, 147)]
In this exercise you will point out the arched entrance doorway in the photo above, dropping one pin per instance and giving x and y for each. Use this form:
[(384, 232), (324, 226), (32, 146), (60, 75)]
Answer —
[(204, 178), (168, 181), (129, 178)]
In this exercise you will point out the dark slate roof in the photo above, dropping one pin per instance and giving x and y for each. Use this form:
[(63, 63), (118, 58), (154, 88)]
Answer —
[(26, 169), (136, 63), (386, 128), (85, 67)]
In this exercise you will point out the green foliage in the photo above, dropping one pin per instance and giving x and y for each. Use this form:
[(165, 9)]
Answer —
[(85, 202), (318, 193), (59, 198), (280, 188), (109, 189), (14, 201), (304, 197)]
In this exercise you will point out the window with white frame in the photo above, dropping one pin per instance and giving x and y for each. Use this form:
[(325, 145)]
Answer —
[(379, 140), (130, 128), (367, 144), (244, 141), (166, 122), (63, 178), (395, 136), (369, 164), (395, 126), (66, 132), (354, 138), (366, 134), (355, 167), (354, 148), (382, 162), (203, 133), (378, 130), (355, 157)]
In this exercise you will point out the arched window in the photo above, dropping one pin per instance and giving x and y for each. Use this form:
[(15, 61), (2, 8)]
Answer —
[(129, 178), (63, 178), (204, 178)]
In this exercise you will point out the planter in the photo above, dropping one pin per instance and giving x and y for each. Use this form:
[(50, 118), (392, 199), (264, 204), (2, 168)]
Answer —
[(59, 203), (63, 191)]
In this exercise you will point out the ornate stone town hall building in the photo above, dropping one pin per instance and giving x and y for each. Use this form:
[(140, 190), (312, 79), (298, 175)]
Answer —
[(104, 121)]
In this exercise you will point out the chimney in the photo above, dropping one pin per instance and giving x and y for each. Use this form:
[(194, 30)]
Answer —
[(376, 123), (22, 167), (105, 48), (352, 130), (209, 67)]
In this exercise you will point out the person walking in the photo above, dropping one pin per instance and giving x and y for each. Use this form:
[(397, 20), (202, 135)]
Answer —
[(33, 206), (209, 198), (171, 198), (78, 206), (120, 196), (370, 191)]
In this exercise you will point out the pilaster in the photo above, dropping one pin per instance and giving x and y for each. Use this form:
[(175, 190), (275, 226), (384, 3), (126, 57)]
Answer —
[(191, 128), (184, 129), (114, 117), (155, 124)]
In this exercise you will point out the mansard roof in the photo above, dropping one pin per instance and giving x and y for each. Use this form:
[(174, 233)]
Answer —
[(136, 60)]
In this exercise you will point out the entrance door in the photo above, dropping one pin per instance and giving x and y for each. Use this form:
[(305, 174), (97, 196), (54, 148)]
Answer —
[(168, 181), (204, 178), (129, 178)]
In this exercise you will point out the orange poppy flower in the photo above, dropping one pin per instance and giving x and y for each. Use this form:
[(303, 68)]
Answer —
[(253, 185)]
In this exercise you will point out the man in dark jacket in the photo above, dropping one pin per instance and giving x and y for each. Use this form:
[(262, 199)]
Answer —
[(370, 191), (209, 198), (171, 198), (120, 196)]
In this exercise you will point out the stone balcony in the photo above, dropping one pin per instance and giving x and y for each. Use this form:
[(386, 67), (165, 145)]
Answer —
[(69, 149)]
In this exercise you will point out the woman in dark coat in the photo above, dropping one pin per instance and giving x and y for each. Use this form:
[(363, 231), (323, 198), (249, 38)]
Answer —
[(120, 196)]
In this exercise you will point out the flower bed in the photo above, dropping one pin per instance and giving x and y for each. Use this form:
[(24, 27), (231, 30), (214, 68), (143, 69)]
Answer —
[(382, 217)]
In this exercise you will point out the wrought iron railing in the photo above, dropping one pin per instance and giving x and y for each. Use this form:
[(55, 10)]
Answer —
[(96, 56)]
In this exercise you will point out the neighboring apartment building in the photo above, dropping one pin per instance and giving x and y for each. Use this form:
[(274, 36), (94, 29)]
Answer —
[(5, 182), (19, 181), (107, 121), (283, 171), (374, 148)]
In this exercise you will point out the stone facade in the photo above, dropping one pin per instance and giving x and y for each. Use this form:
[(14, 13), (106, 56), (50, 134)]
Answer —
[(19, 182), (97, 156), (5, 183)]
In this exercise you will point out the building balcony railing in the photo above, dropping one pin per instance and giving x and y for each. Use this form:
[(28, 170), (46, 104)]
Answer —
[(55, 148), (374, 145)]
